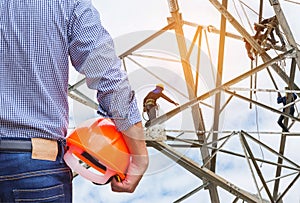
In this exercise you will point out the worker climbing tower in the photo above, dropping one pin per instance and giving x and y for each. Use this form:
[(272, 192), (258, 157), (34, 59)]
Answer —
[(211, 136)]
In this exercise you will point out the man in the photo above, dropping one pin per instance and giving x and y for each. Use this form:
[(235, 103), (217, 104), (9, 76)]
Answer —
[(271, 24), (149, 103), (37, 40), (291, 108), (259, 37)]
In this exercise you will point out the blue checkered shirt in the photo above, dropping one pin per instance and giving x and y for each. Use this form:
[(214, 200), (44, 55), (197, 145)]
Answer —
[(38, 37)]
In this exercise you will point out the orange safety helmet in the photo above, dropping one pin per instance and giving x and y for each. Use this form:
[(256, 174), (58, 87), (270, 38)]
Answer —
[(101, 146)]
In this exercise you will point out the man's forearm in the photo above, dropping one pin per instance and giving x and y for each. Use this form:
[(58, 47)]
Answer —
[(135, 140)]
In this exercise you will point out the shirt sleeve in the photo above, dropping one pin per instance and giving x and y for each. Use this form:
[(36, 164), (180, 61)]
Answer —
[(167, 98), (92, 53)]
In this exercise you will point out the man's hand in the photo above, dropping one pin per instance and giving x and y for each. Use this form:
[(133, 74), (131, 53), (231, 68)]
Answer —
[(130, 182), (135, 140)]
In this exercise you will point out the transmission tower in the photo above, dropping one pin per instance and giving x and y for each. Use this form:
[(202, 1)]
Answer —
[(211, 144)]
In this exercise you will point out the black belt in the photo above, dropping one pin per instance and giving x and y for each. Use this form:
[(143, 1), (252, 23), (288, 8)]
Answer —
[(15, 145)]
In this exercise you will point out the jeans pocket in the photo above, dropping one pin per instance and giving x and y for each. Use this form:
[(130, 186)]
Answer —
[(46, 194)]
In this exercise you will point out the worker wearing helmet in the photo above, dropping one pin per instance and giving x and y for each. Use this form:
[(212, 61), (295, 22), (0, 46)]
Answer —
[(150, 105)]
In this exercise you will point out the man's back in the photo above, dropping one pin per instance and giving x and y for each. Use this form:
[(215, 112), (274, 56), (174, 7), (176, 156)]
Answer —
[(37, 36), (34, 67)]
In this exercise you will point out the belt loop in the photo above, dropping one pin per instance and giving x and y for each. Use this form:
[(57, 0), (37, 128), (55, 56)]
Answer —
[(61, 146)]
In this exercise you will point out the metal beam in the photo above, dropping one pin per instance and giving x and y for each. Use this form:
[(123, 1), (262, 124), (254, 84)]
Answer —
[(198, 60), (279, 199), (187, 70), (214, 30), (252, 42), (237, 26), (76, 85), (285, 28), (272, 151), (259, 173), (191, 193), (218, 83), (203, 173), (283, 137), (148, 39), (210, 93), (263, 105), (196, 145), (81, 98)]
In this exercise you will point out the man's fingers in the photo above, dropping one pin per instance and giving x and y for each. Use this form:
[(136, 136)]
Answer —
[(124, 186)]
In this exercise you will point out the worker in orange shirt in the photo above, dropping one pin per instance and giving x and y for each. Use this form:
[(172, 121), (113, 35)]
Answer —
[(149, 103)]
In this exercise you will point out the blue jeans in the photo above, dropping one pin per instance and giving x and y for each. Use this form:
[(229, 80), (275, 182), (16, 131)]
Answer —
[(281, 119), (23, 179)]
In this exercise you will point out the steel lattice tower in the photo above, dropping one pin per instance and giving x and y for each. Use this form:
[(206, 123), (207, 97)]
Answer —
[(211, 142)]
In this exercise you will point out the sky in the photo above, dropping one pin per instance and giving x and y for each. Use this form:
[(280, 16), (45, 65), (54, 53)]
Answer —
[(131, 21)]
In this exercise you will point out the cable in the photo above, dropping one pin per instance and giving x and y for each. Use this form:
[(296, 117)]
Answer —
[(236, 10), (292, 2), (250, 25), (257, 129), (143, 115), (248, 7)]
